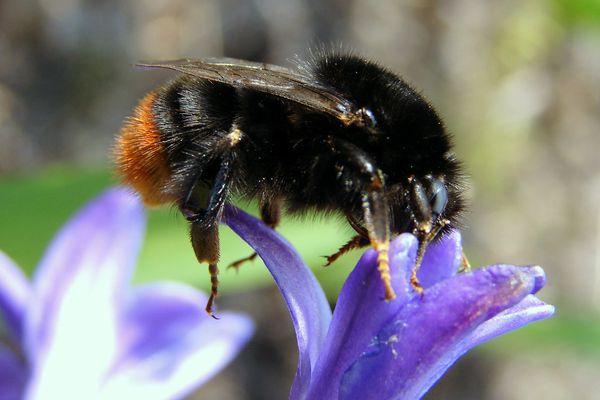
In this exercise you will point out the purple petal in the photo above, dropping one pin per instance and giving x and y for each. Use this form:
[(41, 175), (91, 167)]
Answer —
[(79, 286), (15, 291), (360, 313), (305, 299), (13, 375), (429, 334), (170, 345), (442, 260)]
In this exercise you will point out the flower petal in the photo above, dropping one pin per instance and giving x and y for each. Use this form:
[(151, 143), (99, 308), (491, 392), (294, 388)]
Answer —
[(78, 288), (304, 297), (529, 310), (13, 375), (428, 335), (170, 345), (442, 260), (15, 291), (360, 313)]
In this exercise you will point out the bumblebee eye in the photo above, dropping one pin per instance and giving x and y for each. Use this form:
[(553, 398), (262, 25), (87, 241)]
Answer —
[(438, 196), (367, 118)]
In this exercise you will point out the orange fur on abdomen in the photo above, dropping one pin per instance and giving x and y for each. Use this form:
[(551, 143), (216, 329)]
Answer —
[(140, 155)]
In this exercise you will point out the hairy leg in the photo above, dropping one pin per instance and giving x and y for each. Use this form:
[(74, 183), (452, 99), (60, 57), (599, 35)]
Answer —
[(356, 242), (205, 242), (204, 228), (373, 203), (465, 265)]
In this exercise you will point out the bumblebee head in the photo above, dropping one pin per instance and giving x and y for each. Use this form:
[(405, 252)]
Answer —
[(140, 156)]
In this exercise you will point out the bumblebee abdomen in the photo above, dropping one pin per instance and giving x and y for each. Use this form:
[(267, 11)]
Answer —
[(140, 155)]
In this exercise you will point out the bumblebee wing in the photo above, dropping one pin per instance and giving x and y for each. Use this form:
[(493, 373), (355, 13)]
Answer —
[(267, 78)]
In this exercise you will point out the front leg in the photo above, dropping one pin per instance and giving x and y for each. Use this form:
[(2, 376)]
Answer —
[(370, 183), (375, 210)]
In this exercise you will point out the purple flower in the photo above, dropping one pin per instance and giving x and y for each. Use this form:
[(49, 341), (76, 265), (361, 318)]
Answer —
[(78, 331), (373, 349)]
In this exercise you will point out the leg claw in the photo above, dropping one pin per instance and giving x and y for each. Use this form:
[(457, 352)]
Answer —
[(209, 306), (416, 285), (465, 266)]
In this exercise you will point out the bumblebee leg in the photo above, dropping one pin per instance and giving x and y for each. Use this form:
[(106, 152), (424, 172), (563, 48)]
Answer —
[(204, 228), (414, 279), (270, 213), (238, 263), (373, 202), (425, 237), (205, 242), (358, 228), (216, 201), (356, 242), (377, 224), (465, 266)]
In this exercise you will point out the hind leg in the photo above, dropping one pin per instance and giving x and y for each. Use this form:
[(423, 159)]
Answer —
[(205, 241), (204, 229)]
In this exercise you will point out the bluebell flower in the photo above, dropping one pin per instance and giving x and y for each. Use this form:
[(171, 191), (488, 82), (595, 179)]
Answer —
[(373, 349), (79, 331)]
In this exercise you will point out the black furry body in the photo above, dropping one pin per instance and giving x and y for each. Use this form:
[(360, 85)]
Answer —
[(340, 135), (297, 157)]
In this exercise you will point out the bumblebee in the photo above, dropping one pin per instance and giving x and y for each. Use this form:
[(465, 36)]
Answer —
[(339, 134)]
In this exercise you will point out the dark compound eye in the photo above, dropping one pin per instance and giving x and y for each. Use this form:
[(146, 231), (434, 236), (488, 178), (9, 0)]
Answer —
[(367, 118), (438, 196)]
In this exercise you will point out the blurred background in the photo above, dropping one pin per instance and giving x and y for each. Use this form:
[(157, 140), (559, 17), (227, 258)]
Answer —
[(517, 82)]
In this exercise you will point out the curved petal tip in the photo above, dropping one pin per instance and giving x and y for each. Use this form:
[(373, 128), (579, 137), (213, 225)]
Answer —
[(539, 276)]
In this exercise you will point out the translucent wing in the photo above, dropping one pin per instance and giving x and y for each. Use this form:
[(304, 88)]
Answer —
[(267, 78)]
